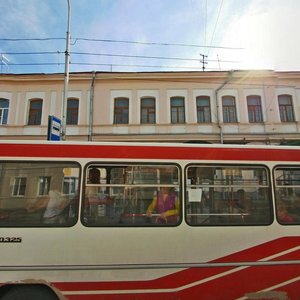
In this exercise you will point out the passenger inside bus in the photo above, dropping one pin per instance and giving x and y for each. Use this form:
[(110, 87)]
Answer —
[(165, 205), (287, 207), (94, 176), (97, 201), (283, 215), (119, 195), (241, 203), (53, 207), (295, 203)]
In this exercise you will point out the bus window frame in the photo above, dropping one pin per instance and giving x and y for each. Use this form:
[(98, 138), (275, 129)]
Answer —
[(50, 161), (230, 165), (124, 164)]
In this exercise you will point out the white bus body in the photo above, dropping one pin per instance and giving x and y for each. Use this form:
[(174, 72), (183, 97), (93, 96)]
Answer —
[(99, 242)]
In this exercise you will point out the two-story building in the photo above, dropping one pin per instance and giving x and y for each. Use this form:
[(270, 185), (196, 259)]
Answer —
[(214, 107)]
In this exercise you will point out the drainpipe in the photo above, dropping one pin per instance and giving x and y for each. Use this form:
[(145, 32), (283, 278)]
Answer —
[(217, 104), (90, 133)]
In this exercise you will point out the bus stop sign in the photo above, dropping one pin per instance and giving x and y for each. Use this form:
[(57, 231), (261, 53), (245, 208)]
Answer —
[(54, 128)]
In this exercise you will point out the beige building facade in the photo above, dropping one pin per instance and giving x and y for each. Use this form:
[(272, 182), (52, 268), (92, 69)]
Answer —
[(206, 107)]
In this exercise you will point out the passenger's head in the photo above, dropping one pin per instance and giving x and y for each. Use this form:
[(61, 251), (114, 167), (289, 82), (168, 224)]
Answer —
[(94, 176), (166, 190)]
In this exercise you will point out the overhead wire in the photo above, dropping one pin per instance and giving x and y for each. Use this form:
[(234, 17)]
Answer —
[(214, 31), (110, 54), (119, 41), (103, 64), (215, 27)]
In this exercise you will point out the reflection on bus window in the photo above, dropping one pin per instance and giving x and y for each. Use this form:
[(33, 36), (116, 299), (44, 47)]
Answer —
[(228, 195), (287, 187), (127, 195), (38, 194)]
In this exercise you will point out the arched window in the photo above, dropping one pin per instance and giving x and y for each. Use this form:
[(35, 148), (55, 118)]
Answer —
[(254, 109), (203, 109), (35, 112), (177, 110), (229, 109), (148, 110), (121, 111), (4, 106), (72, 111), (286, 110)]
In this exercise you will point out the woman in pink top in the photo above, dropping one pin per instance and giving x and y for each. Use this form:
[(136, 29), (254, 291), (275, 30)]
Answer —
[(166, 206)]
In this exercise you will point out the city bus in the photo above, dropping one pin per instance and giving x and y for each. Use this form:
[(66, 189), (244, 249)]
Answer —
[(86, 220)]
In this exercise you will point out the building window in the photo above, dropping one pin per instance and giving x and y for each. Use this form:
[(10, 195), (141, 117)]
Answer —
[(203, 109), (4, 104), (121, 111), (286, 108), (35, 112), (70, 185), (177, 110), (148, 110), (19, 186), (254, 109), (72, 111), (44, 185), (229, 109)]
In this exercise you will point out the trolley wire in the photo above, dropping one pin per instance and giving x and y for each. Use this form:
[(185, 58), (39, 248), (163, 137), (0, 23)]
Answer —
[(86, 54), (113, 55), (74, 41)]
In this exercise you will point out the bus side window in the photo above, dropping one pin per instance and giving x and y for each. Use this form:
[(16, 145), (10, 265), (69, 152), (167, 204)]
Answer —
[(38, 194), (227, 195), (124, 193), (287, 194)]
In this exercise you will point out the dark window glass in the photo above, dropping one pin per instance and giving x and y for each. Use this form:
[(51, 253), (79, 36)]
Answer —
[(203, 109), (177, 110), (148, 111), (121, 111), (254, 109), (286, 108), (72, 111), (131, 195), (229, 109), (35, 112), (38, 194), (4, 106), (287, 187), (228, 195)]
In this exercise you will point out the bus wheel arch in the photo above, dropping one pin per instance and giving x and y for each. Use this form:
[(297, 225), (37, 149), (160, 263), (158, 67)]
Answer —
[(23, 291)]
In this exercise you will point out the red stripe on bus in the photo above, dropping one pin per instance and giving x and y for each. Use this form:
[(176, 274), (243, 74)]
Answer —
[(228, 287), (262, 250), (265, 276), (292, 290), (236, 285), (147, 152)]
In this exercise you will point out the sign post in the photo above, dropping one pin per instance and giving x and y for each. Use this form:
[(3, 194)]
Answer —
[(54, 128)]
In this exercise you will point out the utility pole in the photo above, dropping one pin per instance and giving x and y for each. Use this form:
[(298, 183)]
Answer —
[(66, 78), (203, 61)]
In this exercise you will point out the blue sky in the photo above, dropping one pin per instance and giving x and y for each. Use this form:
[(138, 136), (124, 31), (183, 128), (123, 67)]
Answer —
[(150, 35)]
